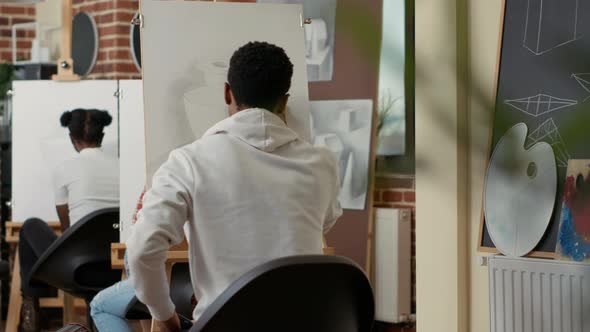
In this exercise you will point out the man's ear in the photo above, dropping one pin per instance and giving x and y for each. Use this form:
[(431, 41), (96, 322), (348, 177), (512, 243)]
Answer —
[(227, 94), (282, 104)]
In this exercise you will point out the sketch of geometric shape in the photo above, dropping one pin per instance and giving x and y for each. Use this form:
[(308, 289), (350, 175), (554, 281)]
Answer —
[(351, 119), (345, 119), (200, 102), (333, 143), (540, 104), (584, 81), (348, 196), (344, 127), (330, 141), (550, 24), (316, 37), (548, 132), (347, 180)]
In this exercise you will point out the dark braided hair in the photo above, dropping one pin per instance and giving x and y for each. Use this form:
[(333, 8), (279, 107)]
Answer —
[(259, 75), (86, 125)]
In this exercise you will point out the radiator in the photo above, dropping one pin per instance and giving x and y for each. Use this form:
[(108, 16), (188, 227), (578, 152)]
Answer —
[(533, 295), (393, 265)]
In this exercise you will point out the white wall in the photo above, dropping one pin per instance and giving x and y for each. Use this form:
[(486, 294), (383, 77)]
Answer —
[(483, 41), (441, 240), (456, 56)]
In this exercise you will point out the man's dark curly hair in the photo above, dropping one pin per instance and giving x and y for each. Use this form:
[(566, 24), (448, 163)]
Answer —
[(259, 75)]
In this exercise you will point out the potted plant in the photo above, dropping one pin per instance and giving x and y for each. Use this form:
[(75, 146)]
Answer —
[(6, 77)]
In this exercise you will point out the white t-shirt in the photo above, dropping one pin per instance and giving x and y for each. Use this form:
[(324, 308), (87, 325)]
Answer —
[(87, 183)]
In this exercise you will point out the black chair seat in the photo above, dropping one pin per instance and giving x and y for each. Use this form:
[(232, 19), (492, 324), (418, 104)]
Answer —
[(181, 292), (137, 310), (79, 261), (294, 294)]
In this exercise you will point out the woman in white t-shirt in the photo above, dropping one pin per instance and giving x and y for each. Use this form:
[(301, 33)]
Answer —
[(87, 183)]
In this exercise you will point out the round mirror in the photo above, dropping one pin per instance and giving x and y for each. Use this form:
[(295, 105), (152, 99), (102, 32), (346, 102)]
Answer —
[(84, 43), (134, 39)]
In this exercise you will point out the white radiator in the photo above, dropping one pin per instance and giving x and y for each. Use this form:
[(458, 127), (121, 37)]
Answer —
[(393, 265), (533, 295)]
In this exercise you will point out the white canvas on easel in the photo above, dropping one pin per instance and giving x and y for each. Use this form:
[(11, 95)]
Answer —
[(132, 146), (39, 143), (186, 59)]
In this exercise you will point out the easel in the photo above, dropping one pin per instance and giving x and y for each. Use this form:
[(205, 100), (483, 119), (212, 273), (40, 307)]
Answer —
[(15, 302), (65, 73), (176, 254), (65, 64)]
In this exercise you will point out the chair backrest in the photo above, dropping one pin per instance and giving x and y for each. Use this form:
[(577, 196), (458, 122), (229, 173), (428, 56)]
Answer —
[(181, 292), (181, 289), (4, 270), (299, 293), (79, 261)]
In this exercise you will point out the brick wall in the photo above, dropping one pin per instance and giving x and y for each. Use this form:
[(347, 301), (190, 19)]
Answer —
[(11, 14), (112, 18), (399, 191)]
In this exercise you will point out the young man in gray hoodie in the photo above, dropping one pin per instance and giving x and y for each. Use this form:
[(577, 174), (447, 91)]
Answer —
[(250, 190)]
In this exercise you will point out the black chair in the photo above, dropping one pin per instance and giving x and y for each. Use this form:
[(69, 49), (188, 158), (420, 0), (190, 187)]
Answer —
[(4, 274), (181, 292), (4, 270), (79, 261), (294, 294)]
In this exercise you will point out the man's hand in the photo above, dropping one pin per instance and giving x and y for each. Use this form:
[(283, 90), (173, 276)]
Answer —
[(170, 325)]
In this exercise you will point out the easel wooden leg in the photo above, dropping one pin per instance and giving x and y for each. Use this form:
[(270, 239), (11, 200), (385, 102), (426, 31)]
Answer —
[(68, 308), (155, 327), (145, 325), (16, 299)]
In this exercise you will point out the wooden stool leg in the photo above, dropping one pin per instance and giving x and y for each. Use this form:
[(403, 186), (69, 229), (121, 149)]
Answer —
[(145, 325), (16, 299), (155, 327), (68, 309)]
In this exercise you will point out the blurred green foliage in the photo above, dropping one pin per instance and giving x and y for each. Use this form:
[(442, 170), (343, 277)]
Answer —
[(6, 76)]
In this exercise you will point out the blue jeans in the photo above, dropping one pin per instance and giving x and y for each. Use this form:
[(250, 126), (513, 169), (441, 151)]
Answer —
[(108, 308)]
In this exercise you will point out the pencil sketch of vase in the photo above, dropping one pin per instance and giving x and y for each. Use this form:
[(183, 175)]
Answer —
[(344, 127), (201, 102), (194, 103), (319, 36), (183, 97), (333, 143), (319, 57)]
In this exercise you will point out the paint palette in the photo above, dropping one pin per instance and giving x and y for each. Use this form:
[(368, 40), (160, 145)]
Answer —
[(574, 227), (520, 192)]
